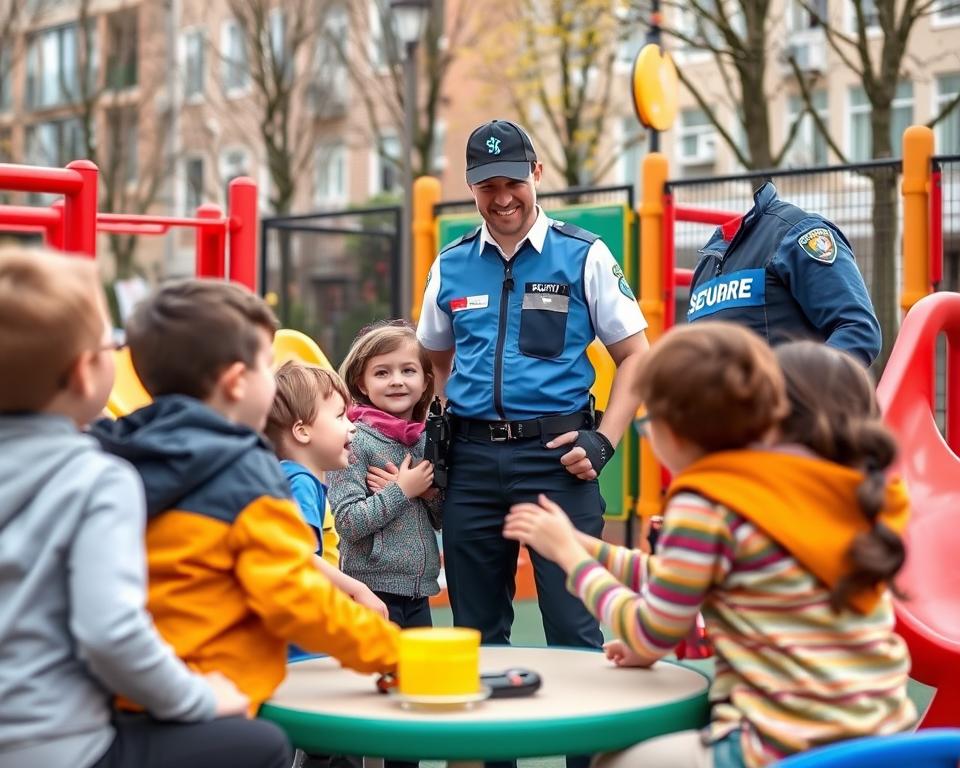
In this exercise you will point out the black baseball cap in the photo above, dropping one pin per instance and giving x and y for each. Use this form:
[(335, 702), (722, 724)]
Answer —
[(499, 148)]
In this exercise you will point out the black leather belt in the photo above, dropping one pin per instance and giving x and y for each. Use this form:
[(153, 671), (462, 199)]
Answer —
[(501, 431)]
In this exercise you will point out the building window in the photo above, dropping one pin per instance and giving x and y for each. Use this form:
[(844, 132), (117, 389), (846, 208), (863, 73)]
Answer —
[(328, 91), (123, 31), (387, 178), (800, 19), (697, 142), (947, 11), (123, 129), (233, 43), (6, 81), (948, 129), (233, 164), (55, 143), (809, 145), (193, 196), (279, 55), (630, 151), (331, 175), (195, 71), (871, 17), (54, 65), (379, 55), (901, 116)]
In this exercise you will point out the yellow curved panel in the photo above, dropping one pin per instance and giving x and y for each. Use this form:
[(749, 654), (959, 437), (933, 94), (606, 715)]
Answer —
[(294, 345), (128, 393)]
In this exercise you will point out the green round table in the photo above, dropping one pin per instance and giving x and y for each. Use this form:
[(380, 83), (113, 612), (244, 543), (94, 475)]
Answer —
[(585, 705)]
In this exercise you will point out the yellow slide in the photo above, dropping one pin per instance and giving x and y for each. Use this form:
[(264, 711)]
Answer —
[(128, 393)]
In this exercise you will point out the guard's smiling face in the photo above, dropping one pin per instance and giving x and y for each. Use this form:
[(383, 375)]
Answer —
[(507, 205)]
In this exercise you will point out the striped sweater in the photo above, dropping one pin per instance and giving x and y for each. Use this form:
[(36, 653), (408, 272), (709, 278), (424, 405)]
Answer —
[(790, 672)]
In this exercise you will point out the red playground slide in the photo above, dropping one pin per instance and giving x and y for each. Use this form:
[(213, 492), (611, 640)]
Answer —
[(929, 617)]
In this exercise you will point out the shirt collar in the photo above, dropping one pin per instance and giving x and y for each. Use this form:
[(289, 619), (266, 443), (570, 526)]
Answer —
[(536, 235), (763, 198)]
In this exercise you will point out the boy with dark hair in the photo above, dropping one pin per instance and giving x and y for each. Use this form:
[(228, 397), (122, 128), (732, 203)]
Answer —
[(232, 577), (73, 629)]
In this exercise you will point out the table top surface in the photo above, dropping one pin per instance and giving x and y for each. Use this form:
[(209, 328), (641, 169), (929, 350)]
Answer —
[(584, 705)]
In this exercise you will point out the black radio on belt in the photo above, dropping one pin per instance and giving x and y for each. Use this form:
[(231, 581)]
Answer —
[(437, 447)]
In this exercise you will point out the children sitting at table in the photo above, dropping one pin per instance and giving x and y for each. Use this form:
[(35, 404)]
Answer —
[(787, 554), (73, 627), (231, 560)]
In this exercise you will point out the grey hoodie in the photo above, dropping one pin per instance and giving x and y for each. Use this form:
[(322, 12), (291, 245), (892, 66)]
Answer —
[(73, 627)]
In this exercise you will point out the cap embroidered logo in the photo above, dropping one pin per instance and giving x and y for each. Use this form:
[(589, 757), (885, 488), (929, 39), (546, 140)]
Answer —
[(493, 145)]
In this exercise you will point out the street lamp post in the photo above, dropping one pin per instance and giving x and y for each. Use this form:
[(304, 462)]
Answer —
[(409, 16)]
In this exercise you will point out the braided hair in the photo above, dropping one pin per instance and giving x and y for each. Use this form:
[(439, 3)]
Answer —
[(834, 413)]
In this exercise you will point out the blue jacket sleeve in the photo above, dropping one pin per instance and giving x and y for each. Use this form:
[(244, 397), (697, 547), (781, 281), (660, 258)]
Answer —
[(312, 502), (816, 264)]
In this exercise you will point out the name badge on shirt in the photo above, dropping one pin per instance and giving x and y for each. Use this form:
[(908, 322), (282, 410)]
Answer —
[(469, 302)]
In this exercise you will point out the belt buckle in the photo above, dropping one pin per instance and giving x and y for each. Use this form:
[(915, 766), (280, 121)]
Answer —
[(500, 432)]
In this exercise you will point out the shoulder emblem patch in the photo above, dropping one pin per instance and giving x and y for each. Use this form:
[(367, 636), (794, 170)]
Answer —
[(623, 284), (819, 245)]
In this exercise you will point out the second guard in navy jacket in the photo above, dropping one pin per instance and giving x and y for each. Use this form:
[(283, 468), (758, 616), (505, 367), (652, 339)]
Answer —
[(786, 274)]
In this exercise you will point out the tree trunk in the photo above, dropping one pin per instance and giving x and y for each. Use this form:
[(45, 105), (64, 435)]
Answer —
[(883, 285), (124, 250)]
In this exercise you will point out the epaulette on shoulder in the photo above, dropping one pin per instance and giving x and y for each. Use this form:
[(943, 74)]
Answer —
[(572, 230), (462, 239)]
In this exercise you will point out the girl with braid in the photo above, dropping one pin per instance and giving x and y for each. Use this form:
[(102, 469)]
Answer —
[(780, 526)]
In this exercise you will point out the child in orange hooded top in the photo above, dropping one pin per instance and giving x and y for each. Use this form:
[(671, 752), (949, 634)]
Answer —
[(786, 553)]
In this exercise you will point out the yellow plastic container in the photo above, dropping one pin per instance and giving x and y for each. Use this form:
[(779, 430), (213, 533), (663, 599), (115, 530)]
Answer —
[(439, 661)]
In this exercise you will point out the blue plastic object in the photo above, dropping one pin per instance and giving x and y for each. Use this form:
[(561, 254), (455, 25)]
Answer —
[(933, 748)]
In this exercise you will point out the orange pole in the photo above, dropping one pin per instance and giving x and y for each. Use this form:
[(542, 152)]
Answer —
[(426, 194), (652, 284), (917, 172)]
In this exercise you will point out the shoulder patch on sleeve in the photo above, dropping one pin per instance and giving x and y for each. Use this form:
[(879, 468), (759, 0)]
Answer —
[(819, 244), (462, 239), (572, 230)]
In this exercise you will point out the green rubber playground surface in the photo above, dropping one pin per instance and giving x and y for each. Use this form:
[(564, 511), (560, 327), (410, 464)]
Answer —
[(528, 630)]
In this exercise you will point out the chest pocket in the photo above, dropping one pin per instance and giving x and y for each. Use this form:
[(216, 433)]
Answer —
[(543, 322)]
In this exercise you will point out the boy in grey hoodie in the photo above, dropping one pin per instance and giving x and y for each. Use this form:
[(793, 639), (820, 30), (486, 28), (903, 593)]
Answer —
[(73, 627)]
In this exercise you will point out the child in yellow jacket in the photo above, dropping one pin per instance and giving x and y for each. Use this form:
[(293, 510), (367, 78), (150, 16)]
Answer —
[(232, 578)]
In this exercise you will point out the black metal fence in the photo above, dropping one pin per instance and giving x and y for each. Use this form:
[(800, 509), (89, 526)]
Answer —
[(331, 273), (947, 168)]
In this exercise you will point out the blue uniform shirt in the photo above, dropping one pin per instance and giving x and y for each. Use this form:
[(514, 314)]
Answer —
[(786, 274), (521, 325)]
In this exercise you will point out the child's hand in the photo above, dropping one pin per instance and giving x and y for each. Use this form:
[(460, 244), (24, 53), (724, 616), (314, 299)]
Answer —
[(365, 597), (378, 479), (618, 652), (230, 702), (413, 481), (545, 527)]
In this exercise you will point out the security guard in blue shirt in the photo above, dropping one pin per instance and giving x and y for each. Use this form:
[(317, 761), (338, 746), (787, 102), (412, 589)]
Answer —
[(786, 274), (508, 313)]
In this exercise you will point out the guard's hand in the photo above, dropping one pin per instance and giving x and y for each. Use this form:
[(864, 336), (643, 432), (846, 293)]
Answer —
[(378, 479), (590, 453)]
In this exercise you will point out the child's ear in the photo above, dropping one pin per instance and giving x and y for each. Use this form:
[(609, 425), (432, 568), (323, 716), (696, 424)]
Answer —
[(232, 383), (79, 378), (300, 433)]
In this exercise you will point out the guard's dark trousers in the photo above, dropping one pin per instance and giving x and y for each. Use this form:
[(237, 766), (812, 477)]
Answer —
[(485, 479)]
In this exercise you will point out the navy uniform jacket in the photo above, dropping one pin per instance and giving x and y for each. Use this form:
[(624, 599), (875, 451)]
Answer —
[(786, 274)]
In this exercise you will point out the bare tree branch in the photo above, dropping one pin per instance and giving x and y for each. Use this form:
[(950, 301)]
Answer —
[(713, 118), (812, 110)]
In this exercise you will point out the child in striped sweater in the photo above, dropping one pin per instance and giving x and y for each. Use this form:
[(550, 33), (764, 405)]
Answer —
[(787, 553)]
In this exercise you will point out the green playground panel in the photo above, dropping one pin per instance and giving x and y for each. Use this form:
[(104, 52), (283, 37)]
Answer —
[(619, 482)]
